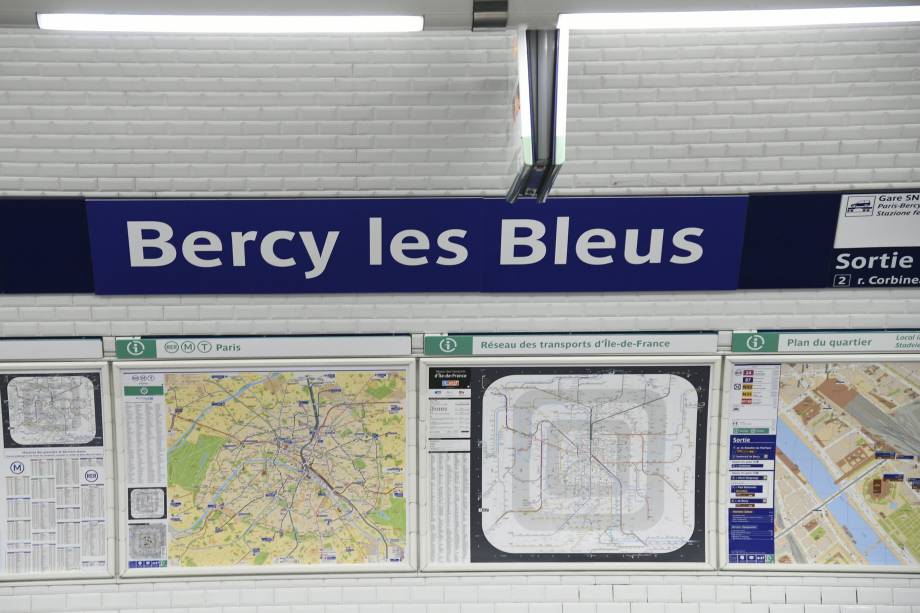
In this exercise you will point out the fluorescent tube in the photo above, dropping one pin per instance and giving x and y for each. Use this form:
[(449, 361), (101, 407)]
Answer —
[(229, 24), (683, 20)]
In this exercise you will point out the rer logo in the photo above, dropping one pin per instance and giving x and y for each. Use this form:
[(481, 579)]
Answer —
[(17, 468), (91, 476), (447, 345), (860, 206)]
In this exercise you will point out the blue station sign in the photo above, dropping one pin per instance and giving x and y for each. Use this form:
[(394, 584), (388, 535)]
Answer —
[(674, 243), (463, 245)]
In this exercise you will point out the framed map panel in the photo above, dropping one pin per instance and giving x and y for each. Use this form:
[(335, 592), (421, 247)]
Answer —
[(532, 463), (56, 516), (266, 466), (820, 463)]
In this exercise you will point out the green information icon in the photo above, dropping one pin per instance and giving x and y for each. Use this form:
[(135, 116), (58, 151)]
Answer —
[(436, 344), (447, 345), (755, 342), (751, 342), (135, 347)]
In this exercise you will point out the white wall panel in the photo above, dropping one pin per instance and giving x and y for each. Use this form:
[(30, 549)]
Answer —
[(368, 115), (747, 110), (645, 593), (87, 315), (428, 114)]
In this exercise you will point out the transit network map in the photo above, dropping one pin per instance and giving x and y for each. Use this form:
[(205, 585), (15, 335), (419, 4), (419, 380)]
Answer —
[(593, 464), (52, 410), (847, 473), (282, 467)]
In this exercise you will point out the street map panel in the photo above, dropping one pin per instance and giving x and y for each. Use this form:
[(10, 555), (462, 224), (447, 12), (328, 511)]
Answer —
[(594, 464), (271, 467), (847, 477), (51, 410)]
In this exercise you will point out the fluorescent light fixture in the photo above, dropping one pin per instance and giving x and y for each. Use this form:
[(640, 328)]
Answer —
[(229, 24), (683, 20)]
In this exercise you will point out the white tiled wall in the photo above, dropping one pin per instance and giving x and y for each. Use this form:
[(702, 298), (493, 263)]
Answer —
[(828, 108), (428, 114), (290, 116), (506, 593), (66, 315), (795, 109)]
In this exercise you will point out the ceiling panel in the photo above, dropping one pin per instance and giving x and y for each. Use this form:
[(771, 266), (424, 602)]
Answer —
[(439, 14)]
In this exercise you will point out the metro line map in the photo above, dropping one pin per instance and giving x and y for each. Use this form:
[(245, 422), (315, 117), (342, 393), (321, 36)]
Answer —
[(52, 410), (295, 467), (590, 463), (847, 469)]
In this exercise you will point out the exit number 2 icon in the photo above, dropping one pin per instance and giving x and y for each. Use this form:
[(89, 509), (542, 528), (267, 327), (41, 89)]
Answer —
[(841, 280)]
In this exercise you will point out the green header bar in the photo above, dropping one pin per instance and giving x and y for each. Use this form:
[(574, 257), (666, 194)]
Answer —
[(135, 348), (571, 344), (143, 390), (826, 342), (186, 348)]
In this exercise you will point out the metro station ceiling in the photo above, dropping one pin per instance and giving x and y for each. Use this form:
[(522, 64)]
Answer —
[(438, 14)]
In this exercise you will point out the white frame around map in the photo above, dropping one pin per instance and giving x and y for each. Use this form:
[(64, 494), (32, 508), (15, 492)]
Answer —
[(108, 437), (786, 358), (712, 445), (411, 476)]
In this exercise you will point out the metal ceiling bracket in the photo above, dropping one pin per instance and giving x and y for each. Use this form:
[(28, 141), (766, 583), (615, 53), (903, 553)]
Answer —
[(490, 14), (540, 111)]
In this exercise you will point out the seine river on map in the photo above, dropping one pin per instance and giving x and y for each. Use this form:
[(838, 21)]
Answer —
[(823, 483)]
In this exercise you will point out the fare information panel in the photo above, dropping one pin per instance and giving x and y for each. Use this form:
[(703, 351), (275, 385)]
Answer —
[(255, 467), (567, 463), (823, 462), (54, 486)]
